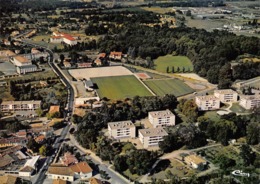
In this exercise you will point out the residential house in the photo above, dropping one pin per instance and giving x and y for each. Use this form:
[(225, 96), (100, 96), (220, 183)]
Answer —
[(121, 129), (81, 170), (11, 106), (66, 64), (161, 118), (151, 137), (98, 62), (102, 55), (12, 141), (40, 139), (195, 162), (54, 109), (209, 102), (115, 56), (84, 65), (249, 101), (60, 171), (226, 95), (68, 159), (29, 167), (59, 181)]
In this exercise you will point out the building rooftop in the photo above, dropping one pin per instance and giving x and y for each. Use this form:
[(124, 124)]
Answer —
[(161, 114), (195, 159), (26, 169), (224, 91), (38, 102), (250, 97), (28, 66), (59, 181), (21, 59), (121, 124), (115, 53), (6, 160), (94, 181), (12, 140), (153, 132), (32, 162), (54, 108), (101, 55), (8, 179), (60, 169), (69, 159), (207, 97), (81, 167)]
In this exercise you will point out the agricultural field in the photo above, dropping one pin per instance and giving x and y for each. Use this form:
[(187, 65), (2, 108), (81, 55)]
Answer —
[(161, 64), (120, 87), (169, 86)]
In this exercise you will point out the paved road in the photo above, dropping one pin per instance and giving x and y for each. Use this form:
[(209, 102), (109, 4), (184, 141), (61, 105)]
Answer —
[(40, 177)]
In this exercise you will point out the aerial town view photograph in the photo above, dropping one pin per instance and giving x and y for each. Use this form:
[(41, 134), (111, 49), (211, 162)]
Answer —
[(129, 91)]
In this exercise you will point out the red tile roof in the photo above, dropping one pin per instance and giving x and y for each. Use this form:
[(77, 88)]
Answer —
[(81, 167)]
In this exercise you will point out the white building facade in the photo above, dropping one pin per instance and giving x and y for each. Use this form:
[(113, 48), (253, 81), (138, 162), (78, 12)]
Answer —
[(151, 137), (122, 129), (161, 118), (226, 95), (209, 102), (10, 106), (249, 101)]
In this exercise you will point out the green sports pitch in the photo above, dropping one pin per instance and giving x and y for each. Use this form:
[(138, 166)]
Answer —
[(120, 87), (169, 86), (173, 62)]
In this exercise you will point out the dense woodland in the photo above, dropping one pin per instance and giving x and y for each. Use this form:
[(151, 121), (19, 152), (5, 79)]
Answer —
[(210, 53)]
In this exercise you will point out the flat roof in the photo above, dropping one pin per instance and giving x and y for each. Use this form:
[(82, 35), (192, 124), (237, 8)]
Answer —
[(250, 97), (21, 59), (153, 132), (207, 97), (161, 114), (31, 162), (21, 102), (224, 91), (195, 159), (121, 124)]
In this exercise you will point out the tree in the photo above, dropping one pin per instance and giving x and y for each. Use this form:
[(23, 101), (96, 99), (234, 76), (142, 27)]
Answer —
[(189, 109), (33, 145), (167, 69), (247, 155), (43, 150), (120, 163), (253, 133), (172, 69), (39, 112), (225, 162), (62, 57), (169, 143)]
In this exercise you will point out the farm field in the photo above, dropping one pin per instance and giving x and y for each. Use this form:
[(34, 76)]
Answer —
[(168, 86), (161, 63), (120, 87)]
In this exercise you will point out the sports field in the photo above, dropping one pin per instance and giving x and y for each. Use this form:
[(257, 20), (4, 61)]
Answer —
[(162, 62), (120, 87), (168, 86)]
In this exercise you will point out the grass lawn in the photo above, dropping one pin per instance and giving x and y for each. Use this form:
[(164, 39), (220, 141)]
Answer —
[(162, 62), (212, 115), (168, 86), (120, 87), (238, 109)]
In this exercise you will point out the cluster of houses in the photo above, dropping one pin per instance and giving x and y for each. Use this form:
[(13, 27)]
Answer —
[(23, 62), (149, 137), (212, 102), (70, 169)]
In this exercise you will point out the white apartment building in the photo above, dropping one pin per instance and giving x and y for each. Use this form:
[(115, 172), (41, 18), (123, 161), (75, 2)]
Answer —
[(151, 137), (161, 118), (121, 129), (10, 106), (249, 101), (63, 37), (209, 102), (226, 95)]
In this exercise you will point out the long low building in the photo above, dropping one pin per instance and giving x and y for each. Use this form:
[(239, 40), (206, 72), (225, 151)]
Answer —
[(226, 95), (249, 101), (152, 136), (11, 106)]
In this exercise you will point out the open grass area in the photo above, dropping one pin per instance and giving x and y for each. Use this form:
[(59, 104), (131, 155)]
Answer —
[(169, 86), (120, 87), (236, 108), (212, 115), (162, 62)]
